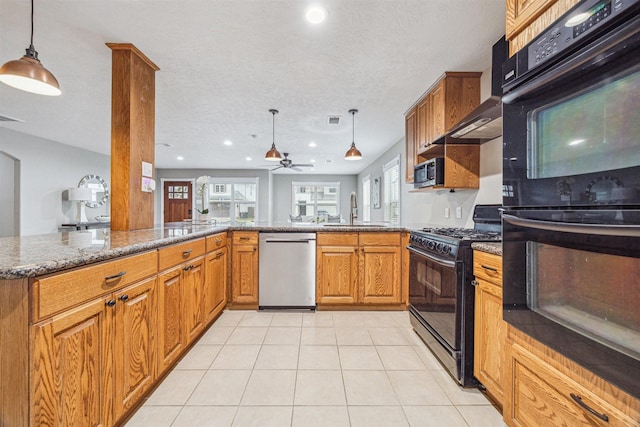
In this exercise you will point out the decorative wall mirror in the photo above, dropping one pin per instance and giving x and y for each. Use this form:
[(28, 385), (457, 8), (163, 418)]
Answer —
[(99, 190)]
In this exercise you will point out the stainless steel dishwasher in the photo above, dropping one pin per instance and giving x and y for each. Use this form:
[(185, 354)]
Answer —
[(287, 274)]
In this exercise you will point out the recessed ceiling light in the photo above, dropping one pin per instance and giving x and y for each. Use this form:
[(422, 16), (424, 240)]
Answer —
[(312, 161), (329, 161), (179, 158), (227, 142), (316, 14), (312, 144), (248, 159), (577, 141)]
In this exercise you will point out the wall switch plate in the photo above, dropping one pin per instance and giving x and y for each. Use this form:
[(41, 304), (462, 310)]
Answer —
[(447, 213), (458, 212)]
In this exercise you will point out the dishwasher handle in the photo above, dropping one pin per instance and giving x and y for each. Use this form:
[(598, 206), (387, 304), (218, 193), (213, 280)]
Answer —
[(289, 240)]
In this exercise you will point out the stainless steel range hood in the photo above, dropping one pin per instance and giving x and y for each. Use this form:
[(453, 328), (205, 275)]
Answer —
[(482, 124)]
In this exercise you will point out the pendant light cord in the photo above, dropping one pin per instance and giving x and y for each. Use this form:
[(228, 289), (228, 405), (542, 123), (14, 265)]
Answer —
[(353, 127), (31, 51)]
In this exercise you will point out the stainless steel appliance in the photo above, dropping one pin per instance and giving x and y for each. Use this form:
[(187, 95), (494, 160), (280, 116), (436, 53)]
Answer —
[(429, 173), (287, 271), (571, 228), (441, 296)]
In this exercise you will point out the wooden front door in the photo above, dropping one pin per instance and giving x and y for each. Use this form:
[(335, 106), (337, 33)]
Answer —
[(177, 201)]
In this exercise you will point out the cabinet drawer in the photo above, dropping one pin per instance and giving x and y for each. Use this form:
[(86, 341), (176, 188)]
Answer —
[(216, 241), (488, 267), (245, 237), (60, 291), (337, 239), (380, 239), (176, 254)]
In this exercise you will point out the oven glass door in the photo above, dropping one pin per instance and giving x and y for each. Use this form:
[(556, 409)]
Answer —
[(433, 292), (573, 285)]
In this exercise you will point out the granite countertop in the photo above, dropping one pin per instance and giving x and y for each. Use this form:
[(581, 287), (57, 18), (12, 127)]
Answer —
[(30, 256), (489, 247)]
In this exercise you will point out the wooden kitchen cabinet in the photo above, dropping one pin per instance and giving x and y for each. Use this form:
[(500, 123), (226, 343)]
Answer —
[(526, 19), (358, 269), (244, 267), (489, 328), (411, 144), (215, 291)]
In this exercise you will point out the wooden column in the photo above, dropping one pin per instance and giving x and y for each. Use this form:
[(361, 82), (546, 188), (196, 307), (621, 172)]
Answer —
[(132, 136)]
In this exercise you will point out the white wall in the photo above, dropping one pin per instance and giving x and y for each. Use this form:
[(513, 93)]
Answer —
[(282, 192), (47, 169), (9, 195)]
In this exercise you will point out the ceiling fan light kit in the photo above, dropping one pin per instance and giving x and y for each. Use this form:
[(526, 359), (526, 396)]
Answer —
[(28, 73), (273, 155), (353, 153)]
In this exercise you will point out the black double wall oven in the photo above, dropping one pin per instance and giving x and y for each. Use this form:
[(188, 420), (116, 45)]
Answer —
[(571, 190)]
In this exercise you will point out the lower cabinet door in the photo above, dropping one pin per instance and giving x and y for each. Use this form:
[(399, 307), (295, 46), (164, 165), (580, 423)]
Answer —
[(72, 367), (134, 344), (337, 274), (193, 309), (380, 275), (244, 286), (215, 284), (171, 332)]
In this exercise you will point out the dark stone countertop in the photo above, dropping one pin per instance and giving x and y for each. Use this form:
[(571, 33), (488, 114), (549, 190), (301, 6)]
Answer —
[(489, 247)]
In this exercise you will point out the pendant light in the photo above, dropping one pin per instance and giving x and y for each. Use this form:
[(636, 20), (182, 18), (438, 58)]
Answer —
[(273, 155), (353, 153), (28, 74)]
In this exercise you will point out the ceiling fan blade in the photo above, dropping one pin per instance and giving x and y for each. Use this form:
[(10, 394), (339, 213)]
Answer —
[(303, 165), (278, 167), (296, 168)]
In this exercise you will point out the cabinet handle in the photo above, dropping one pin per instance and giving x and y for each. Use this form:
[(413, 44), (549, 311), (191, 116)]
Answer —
[(124, 297), (255, 249), (475, 282), (486, 267), (244, 238), (586, 407), (219, 255), (355, 250), (187, 253), (110, 303), (188, 267), (218, 241), (115, 276)]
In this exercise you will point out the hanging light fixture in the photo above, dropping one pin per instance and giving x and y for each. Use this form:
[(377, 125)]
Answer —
[(28, 74), (273, 154), (353, 153)]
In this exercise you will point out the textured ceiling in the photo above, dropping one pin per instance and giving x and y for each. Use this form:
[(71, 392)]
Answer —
[(225, 63)]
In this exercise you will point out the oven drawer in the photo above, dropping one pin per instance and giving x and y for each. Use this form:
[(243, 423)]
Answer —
[(488, 267)]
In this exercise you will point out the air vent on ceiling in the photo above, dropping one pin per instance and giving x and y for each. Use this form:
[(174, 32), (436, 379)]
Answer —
[(333, 120), (4, 118)]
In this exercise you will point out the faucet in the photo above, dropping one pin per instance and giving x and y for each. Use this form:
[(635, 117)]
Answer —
[(353, 212)]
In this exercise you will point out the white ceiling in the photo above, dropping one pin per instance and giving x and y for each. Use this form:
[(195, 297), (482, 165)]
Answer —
[(225, 63)]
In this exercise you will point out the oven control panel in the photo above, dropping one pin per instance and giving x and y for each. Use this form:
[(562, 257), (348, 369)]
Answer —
[(432, 245)]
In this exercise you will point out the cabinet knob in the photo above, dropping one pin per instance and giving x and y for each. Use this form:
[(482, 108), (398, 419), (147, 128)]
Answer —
[(188, 267), (475, 282), (110, 303), (124, 297), (355, 250), (115, 276)]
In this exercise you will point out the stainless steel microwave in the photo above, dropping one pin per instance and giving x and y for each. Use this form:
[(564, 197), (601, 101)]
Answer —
[(429, 173)]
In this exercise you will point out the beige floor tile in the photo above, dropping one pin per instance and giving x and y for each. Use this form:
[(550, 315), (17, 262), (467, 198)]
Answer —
[(359, 357), (319, 319), (216, 335), (368, 388), (247, 335), (388, 336), (434, 416), (353, 336), (319, 388), (412, 337), (318, 336), (457, 394), (230, 318), (236, 357), (318, 357), (427, 357), (277, 357), (270, 388), (199, 357), (256, 318), (378, 319), (282, 335), (401, 318), (320, 416), (481, 416), (263, 416), (156, 416), (205, 416), (287, 319), (219, 387), (348, 319), (400, 358), (377, 416), (176, 388), (417, 388)]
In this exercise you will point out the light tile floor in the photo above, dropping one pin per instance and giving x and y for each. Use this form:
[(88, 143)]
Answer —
[(329, 369)]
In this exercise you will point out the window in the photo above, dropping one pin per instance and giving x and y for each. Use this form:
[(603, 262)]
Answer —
[(233, 200), (366, 198), (391, 193), (314, 199)]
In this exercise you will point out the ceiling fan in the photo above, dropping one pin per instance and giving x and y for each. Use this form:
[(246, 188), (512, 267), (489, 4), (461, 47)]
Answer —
[(288, 164)]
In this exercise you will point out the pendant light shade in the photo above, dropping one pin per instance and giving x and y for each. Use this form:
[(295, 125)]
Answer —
[(353, 153), (273, 155), (28, 74)]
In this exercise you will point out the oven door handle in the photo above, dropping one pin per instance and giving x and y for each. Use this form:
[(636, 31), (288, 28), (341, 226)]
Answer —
[(432, 257), (599, 229), (607, 45)]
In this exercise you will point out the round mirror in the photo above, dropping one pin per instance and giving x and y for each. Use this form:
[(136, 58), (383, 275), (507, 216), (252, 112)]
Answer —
[(99, 190)]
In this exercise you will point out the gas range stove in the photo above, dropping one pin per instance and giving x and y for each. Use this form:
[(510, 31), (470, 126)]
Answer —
[(464, 233)]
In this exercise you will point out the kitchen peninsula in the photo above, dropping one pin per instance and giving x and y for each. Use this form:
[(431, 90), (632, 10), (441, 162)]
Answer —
[(96, 318)]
